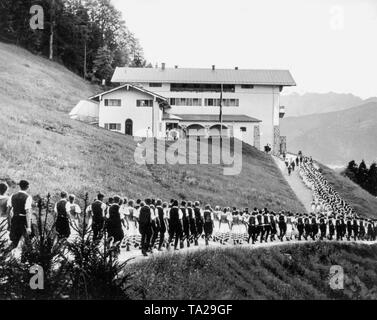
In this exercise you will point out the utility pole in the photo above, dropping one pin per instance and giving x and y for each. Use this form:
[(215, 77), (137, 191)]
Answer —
[(52, 22), (85, 57)]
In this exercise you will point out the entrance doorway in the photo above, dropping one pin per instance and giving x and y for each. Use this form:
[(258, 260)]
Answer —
[(129, 128)]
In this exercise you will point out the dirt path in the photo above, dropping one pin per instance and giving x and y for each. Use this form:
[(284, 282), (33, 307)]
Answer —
[(297, 185)]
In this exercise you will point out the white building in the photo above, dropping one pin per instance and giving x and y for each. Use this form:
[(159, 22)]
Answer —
[(151, 101)]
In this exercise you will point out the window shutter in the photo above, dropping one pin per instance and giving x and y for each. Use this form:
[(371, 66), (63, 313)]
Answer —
[(106, 126), (106, 102)]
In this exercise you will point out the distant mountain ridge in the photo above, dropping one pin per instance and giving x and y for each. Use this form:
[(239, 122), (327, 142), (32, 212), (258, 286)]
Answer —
[(314, 103), (335, 138)]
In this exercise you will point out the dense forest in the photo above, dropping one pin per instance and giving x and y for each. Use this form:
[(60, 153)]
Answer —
[(362, 175), (89, 37)]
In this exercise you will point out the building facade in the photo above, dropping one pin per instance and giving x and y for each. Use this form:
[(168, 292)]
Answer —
[(154, 101)]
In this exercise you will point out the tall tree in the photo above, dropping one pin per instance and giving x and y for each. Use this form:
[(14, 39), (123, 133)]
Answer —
[(362, 174), (102, 65), (372, 179)]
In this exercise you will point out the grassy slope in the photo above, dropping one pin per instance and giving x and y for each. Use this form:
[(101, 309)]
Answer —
[(40, 143), (364, 203), (289, 272)]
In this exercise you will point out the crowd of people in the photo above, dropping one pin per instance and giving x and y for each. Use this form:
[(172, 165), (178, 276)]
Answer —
[(153, 224)]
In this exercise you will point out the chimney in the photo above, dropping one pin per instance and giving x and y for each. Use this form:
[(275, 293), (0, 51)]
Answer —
[(236, 68), (163, 66), (213, 67)]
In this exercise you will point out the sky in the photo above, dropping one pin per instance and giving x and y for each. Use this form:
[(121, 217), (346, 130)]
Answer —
[(328, 45)]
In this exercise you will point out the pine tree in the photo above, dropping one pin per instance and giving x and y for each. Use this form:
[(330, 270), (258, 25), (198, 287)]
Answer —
[(351, 171), (362, 174), (102, 65), (372, 179)]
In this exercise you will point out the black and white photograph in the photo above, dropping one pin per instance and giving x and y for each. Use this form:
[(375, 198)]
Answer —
[(198, 152)]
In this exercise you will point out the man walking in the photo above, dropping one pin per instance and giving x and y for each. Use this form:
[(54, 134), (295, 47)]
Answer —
[(145, 225), (98, 212), (21, 204), (62, 225), (175, 224)]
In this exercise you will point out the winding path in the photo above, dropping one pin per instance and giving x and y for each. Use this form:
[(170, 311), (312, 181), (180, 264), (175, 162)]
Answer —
[(297, 185)]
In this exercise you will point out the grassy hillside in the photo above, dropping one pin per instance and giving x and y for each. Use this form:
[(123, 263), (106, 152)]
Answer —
[(40, 143), (364, 203), (288, 272), (335, 138)]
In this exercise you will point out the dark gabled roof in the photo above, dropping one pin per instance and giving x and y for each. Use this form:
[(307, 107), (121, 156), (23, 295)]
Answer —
[(211, 118), (192, 75), (131, 86)]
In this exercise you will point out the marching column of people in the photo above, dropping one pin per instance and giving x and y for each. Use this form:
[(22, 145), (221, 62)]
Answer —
[(162, 225)]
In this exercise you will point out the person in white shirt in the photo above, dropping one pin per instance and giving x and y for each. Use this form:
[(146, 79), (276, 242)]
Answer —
[(4, 209), (21, 205), (97, 212), (74, 211)]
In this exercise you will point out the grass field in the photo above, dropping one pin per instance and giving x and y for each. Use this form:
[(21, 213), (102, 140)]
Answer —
[(40, 143), (364, 203), (288, 272)]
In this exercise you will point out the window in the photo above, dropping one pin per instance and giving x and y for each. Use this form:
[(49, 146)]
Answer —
[(144, 103), (113, 126), (155, 84), (247, 86), (113, 102), (201, 87), (243, 129), (226, 102), (185, 102)]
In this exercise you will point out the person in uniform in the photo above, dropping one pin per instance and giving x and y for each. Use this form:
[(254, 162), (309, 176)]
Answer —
[(361, 229), (259, 225), (338, 229), (62, 224), (355, 228), (266, 226), (343, 226), (192, 223), (145, 225), (198, 221), (155, 226), (160, 208), (175, 224), (185, 224), (322, 227), (273, 226), (115, 223), (252, 228), (307, 227), (300, 225), (208, 222), (97, 210), (21, 205), (349, 228), (314, 227), (282, 225), (331, 227)]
